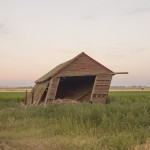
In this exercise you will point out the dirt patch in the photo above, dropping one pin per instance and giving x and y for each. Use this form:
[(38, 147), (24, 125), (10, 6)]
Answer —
[(145, 146), (5, 146), (32, 144), (65, 101)]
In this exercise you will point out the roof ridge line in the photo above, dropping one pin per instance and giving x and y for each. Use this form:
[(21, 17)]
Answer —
[(67, 64), (60, 67)]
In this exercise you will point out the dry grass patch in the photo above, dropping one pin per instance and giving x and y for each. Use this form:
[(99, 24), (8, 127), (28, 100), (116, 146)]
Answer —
[(145, 146)]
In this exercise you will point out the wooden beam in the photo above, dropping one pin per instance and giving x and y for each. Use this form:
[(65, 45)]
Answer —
[(52, 90), (46, 98), (26, 95), (82, 95), (32, 98), (91, 98), (118, 73), (38, 101), (57, 84)]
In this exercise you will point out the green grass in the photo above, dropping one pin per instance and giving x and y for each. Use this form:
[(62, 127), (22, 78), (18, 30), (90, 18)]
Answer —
[(119, 125), (10, 99)]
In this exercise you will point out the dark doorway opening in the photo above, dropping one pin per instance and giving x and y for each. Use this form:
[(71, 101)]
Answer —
[(77, 88)]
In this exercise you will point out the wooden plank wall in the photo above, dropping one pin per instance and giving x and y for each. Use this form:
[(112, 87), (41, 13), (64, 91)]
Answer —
[(36, 93), (82, 66), (101, 88), (52, 89)]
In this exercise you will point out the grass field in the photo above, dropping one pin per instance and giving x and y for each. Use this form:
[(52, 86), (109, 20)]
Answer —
[(121, 124)]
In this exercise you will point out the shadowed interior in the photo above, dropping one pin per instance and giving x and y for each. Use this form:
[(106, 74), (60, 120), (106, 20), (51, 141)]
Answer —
[(78, 88)]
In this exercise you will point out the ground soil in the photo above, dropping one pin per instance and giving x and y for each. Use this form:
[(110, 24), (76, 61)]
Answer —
[(145, 146)]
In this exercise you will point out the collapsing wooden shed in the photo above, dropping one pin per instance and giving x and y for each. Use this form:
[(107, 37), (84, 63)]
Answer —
[(81, 79)]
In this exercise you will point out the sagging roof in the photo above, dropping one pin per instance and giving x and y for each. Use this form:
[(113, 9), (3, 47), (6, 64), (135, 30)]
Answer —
[(52, 72), (58, 68)]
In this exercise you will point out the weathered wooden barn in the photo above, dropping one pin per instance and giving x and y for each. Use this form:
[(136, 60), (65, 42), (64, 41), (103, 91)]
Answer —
[(81, 79)]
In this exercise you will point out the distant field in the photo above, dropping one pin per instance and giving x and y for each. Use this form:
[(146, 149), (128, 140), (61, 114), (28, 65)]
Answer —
[(129, 88), (122, 124), (23, 89), (15, 89)]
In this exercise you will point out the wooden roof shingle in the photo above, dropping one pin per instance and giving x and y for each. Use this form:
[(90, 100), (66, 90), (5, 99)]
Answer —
[(52, 72)]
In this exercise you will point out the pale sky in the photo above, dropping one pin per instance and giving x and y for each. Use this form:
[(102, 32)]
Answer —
[(37, 35)]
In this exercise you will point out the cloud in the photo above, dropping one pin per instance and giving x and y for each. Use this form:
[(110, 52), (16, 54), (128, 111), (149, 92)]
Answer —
[(142, 49), (89, 18), (3, 23), (139, 10), (3, 27), (4, 54), (118, 56)]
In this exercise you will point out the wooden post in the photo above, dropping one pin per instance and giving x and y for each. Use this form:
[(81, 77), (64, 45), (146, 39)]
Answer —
[(52, 90), (25, 101), (32, 97), (91, 99)]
